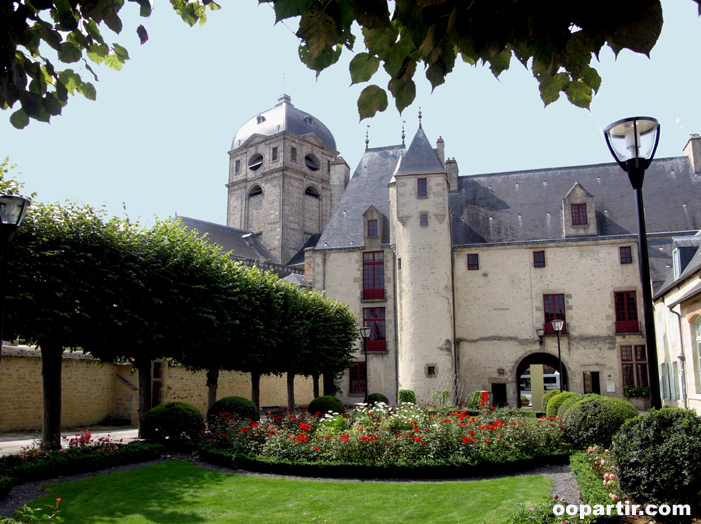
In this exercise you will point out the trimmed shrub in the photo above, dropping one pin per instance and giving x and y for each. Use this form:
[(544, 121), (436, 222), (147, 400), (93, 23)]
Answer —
[(238, 407), (547, 396), (377, 397), (658, 456), (325, 404), (406, 395), (172, 421), (557, 400), (594, 419)]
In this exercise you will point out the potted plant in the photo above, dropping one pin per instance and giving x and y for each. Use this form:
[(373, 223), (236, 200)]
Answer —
[(525, 400)]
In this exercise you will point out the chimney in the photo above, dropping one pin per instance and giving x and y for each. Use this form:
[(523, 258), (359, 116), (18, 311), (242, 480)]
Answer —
[(339, 177), (693, 151), (451, 169), (440, 149)]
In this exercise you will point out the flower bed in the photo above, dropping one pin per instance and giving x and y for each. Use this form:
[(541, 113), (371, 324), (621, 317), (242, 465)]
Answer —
[(392, 441)]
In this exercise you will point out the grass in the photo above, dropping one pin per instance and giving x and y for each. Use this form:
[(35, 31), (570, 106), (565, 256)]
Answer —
[(176, 492)]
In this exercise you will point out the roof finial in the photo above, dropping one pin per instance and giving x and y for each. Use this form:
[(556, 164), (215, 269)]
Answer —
[(419, 116), (367, 138), (403, 134)]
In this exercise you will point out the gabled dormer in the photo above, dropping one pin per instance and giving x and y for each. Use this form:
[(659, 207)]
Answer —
[(376, 228), (578, 213)]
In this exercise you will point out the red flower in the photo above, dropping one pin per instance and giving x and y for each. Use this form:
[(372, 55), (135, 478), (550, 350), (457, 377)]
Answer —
[(303, 426), (317, 448), (345, 436)]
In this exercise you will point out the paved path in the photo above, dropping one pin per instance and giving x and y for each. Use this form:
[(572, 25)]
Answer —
[(11, 443)]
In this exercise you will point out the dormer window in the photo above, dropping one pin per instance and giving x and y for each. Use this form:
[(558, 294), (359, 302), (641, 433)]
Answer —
[(579, 214), (676, 264), (308, 120), (372, 228), (260, 119)]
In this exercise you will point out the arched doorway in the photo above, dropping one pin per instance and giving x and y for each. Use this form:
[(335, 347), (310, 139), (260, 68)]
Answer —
[(539, 358)]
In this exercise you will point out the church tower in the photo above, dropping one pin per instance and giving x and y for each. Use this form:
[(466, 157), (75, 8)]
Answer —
[(283, 165), (420, 234)]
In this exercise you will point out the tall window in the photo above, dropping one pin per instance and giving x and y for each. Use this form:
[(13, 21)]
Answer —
[(626, 312), (634, 361), (372, 228), (626, 255), (373, 275), (473, 261), (238, 167), (421, 188), (697, 356), (579, 214), (356, 375), (293, 154), (554, 307), (275, 153), (374, 318), (539, 259), (423, 219)]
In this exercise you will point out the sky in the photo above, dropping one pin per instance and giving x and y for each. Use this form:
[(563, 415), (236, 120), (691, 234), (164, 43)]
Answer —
[(155, 142)]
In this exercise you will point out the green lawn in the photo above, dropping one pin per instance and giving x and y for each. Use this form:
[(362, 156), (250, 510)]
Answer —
[(179, 492)]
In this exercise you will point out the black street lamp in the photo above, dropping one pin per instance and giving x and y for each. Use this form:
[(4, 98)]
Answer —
[(12, 211), (540, 332), (365, 333), (633, 142), (557, 325)]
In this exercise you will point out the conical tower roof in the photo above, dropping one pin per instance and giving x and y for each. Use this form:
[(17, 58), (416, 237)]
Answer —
[(420, 158)]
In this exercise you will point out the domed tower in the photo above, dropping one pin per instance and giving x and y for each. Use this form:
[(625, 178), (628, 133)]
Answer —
[(283, 169)]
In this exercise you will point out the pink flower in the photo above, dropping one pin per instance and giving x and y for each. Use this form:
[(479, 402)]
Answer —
[(613, 497)]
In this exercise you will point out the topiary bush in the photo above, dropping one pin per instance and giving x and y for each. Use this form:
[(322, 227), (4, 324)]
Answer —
[(658, 456), (238, 407), (172, 421), (374, 398), (325, 404), (547, 396), (406, 395), (593, 420), (557, 400)]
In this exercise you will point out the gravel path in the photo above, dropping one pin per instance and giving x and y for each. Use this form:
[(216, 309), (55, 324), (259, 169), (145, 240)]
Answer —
[(564, 486)]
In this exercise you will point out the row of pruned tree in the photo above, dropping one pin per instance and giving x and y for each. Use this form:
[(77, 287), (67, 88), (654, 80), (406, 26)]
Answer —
[(127, 294)]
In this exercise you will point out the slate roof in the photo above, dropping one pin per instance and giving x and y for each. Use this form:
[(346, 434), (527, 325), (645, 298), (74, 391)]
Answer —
[(527, 205), (242, 244), (692, 266), (368, 186), (420, 158), (284, 117), (299, 256)]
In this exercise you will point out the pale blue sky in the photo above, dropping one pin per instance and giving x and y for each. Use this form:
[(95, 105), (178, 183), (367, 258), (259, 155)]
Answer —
[(158, 135)]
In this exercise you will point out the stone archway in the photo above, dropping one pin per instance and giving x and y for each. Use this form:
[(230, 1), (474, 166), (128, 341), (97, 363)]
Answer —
[(540, 358)]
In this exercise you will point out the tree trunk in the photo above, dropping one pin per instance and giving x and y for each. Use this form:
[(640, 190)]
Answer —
[(330, 387), (290, 391), (255, 390), (51, 357), (315, 382), (212, 383), (143, 366)]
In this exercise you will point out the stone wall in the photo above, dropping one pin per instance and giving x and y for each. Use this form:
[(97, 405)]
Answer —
[(94, 393)]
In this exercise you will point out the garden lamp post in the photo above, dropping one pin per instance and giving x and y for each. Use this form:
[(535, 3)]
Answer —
[(633, 142), (365, 333), (12, 211), (557, 325)]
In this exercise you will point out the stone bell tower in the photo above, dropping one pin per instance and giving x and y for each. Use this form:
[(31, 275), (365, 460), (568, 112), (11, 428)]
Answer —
[(283, 165)]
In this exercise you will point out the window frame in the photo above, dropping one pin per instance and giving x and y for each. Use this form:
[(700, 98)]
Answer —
[(293, 154), (237, 166), (625, 254), (376, 323), (373, 275), (372, 228), (539, 261), (554, 307), (356, 374), (274, 153), (579, 214), (423, 219), (473, 264), (634, 363), (421, 187), (625, 304)]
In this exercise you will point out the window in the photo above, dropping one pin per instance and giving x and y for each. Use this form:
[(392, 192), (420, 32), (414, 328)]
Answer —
[(539, 259), (676, 263), (374, 275), (579, 214), (399, 264), (275, 153), (423, 219), (430, 371), (626, 312), (374, 318), (591, 382), (293, 154), (255, 162), (238, 166), (312, 162), (421, 188), (626, 255), (554, 307), (473, 261), (356, 375), (697, 357), (372, 228), (634, 361), (255, 190), (260, 119)]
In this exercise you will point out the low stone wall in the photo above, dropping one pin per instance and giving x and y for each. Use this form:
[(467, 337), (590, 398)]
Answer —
[(94, 393)]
